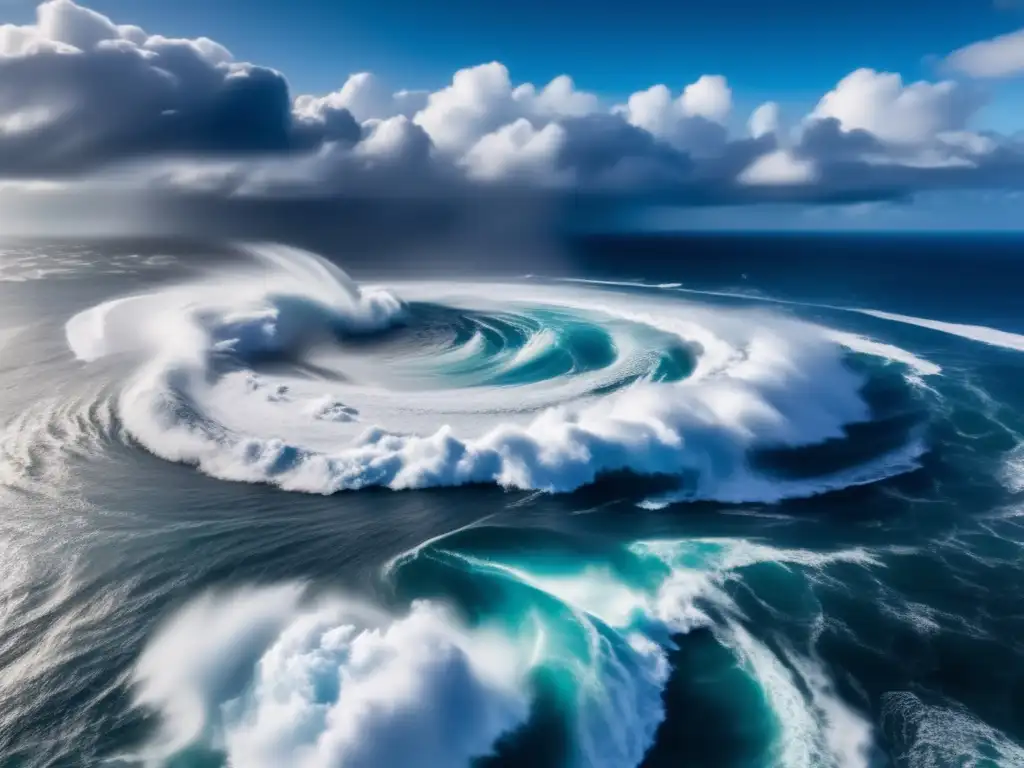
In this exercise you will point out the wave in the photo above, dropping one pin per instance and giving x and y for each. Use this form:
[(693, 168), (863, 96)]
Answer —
[(889, 352), (932, 735), (274, 681), (980, 333), (1012, 474), (291, 374), (277, 676), (814, 726)]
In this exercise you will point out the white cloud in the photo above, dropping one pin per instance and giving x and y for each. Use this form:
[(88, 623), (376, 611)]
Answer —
[(709, 97), (559, 98), (63, 26), (396, 139), (518, 151), (478, 101), (365, 98), (779, 168), (1001, 56), (64, 22), (880, 103), (481, 100), (692, 122)]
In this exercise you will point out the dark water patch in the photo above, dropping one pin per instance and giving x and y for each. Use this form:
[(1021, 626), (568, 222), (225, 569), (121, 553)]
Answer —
[(715, 714)]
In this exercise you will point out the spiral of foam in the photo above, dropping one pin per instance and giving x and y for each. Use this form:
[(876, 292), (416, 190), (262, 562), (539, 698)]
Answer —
[(290, 373)]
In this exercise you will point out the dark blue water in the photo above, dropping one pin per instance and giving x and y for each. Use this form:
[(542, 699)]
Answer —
[(149, 611)]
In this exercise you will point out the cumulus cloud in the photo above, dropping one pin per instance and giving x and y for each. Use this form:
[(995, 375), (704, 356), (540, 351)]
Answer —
[(517, 150), (880, 103), (691, 122), (364, 97), (559, 98), (108, 104), (77, 90), (1002, 56), (481, 100), (478, 101), (709, 97)]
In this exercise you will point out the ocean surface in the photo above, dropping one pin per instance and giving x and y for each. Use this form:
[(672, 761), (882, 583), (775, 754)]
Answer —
[(674, 501)]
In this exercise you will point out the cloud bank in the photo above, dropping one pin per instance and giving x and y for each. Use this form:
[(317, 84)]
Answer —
[(83, 98)]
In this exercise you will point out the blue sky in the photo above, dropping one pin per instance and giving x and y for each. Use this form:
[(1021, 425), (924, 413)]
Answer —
[(791, 51)]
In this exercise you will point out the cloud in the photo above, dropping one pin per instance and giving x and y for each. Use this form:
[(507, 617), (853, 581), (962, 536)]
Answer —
[(779, 168), (692, 122), (559, 98), (364, 97), (77, 90), (709, 97), (86, 101), (766, 120), (478, 101), (1001, 56), (517, 150), (481, 100), (880, 103)]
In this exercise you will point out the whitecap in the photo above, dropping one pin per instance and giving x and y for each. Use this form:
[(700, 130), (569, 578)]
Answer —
[(271, 680), (980, 333), (941, 734)]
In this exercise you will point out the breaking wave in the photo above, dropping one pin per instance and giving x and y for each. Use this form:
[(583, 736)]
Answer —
[(289, 373), (271, 681), (275, 676)]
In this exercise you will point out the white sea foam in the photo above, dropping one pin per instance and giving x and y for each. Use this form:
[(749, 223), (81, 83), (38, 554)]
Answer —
[(815, 726), (271, 679), (759, 381), (275, 681), (937, 735), (891, 352), (1012, 473), (980, 333)]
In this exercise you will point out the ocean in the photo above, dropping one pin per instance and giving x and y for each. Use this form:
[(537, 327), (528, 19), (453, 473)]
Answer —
[(717, 500)]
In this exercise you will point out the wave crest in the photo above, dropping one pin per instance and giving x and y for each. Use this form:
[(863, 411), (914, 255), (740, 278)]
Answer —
[(279, 682), (272, 676)]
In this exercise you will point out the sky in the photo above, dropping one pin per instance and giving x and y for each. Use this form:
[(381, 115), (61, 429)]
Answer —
[(873, 109), (790, 51)]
